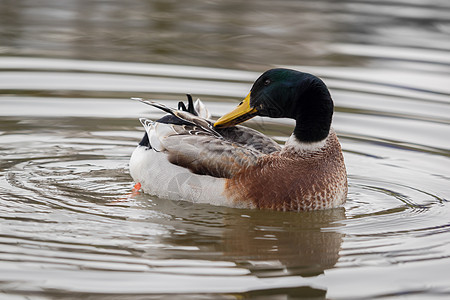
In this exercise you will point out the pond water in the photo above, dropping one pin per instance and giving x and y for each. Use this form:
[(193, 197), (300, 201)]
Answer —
[(70, 226)]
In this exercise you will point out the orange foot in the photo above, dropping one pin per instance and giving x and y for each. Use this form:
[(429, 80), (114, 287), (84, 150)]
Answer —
[(134, 192)]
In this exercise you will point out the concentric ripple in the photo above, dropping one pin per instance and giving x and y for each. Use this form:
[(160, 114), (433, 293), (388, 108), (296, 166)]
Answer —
[(71, 226)]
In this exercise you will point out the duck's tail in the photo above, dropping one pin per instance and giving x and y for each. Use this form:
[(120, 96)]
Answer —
[(185, 115)]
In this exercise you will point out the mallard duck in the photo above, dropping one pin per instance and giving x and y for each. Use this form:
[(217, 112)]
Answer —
[(186, 156)]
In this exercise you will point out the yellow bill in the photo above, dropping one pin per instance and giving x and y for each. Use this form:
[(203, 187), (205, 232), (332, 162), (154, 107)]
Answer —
[(240, 114)]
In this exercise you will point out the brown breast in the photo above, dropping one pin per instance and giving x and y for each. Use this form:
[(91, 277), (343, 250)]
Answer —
[(291, 181)]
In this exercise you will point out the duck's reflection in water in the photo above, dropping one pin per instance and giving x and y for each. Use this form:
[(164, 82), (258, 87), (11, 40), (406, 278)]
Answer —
[(279, 244), (267, 243)]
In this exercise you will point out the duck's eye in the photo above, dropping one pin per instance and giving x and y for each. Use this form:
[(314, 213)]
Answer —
[(267, 82)]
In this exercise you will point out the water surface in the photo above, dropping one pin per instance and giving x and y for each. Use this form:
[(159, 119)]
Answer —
[(69, 225)]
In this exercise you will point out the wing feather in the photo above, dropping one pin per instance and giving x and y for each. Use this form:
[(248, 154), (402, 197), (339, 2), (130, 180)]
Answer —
[(196, 145), (183, 115), (250, 138), (207, 155)]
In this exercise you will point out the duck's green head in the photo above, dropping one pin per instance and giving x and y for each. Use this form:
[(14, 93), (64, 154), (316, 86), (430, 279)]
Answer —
[(285, 93)]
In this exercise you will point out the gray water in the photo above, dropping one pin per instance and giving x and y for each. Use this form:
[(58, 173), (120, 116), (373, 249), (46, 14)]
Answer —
[(70, 226)]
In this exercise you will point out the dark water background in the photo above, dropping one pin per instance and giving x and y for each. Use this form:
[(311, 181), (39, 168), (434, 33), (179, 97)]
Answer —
[(69, 227)]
